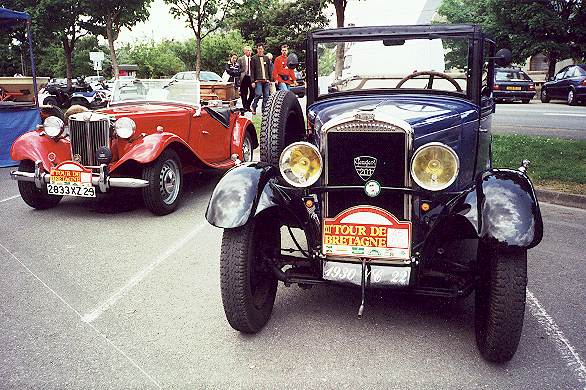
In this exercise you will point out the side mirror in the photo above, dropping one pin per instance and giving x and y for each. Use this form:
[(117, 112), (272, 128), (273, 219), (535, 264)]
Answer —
[(503, 57)]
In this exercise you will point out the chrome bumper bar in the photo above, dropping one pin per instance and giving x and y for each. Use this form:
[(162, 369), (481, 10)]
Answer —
[(102, 180)]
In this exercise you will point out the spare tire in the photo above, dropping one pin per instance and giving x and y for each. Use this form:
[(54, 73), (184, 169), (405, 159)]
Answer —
[(282, 124)]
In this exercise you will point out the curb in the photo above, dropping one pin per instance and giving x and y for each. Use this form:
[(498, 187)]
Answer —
[(561, 198)]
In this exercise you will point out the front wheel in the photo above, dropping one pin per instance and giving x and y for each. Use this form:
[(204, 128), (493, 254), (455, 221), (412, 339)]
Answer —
[(572, 101), (544, 96), (37, 198), (500, 303), (248, 285), (165, 178)]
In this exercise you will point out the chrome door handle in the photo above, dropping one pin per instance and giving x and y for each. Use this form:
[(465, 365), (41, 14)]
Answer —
[(205, 132)]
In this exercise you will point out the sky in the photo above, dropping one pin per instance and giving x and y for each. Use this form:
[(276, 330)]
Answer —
[(161, 24)]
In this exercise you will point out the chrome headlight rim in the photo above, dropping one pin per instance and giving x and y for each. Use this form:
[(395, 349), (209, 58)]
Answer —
[(309, 182), (441, 145), (124, 127), (53, 126)]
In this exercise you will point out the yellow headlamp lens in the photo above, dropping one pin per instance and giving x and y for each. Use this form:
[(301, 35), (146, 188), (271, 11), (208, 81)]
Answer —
[(435, 166), (300, 164)]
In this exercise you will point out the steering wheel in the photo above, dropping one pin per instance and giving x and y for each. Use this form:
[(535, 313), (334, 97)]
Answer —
[(431, 75)]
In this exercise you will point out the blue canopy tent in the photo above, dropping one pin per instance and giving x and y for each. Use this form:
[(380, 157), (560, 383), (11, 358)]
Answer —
[(17, 119)]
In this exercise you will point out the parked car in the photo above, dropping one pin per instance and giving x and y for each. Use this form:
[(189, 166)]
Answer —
[(568, 84), (92, 95), (512, 84), (391, 181), (150, 135), (204, 75)]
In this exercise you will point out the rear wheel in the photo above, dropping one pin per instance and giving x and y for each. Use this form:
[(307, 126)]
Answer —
[(248, 284), (572, 101), (247, 150), (500, 303), (282, 124), (51, 101), (37, 198), (544, 96), (80, 102), (165, 178)]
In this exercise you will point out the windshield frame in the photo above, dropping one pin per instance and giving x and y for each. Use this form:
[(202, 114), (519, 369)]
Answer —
[(373, 33), (167, 82)]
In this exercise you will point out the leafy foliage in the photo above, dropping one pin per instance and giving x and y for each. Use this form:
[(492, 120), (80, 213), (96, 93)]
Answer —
[(154, 60)]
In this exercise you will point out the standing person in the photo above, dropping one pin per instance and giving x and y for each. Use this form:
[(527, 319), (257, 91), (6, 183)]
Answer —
[(246, 88), (233, 70), (261, 74), (284, 77)]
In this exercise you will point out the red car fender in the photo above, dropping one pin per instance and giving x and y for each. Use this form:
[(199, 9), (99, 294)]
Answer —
[(34, 146), (148, 148), (239, 132)]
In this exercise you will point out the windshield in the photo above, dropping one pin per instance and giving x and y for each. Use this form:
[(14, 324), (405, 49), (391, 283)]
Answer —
[(511, 75), (437, 64), (163, 90)]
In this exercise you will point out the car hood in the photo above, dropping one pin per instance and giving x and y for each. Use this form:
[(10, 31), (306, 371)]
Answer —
[(425, 114)]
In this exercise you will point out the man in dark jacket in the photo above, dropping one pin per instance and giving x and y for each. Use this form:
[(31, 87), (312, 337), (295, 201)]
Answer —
[(246, 88), (261, 76)]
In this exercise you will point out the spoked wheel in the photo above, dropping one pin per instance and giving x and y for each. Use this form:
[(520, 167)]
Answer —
[(247, 151), (500, 303), (37, 198), (248, 284), (165, 179)]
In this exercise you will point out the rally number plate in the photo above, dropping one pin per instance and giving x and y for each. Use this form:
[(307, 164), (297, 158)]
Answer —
[(56, 189), (380, 275)]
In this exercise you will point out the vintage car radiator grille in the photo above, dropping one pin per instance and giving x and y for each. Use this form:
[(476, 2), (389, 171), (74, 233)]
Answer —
[(87, 137), (390, 150)]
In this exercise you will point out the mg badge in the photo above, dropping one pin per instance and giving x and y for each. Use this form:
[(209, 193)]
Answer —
[(372, 188), (365, 166), (77, 158)]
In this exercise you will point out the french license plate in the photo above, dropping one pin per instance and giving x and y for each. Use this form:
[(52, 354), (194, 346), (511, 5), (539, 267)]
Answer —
[(513, 88), (56, 189), (379, 275), (71, 178), (368, 232)]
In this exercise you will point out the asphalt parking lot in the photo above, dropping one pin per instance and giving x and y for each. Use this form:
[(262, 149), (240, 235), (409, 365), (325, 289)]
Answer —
[(101, 294)]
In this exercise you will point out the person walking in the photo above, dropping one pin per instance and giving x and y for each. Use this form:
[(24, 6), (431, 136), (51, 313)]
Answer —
[(233, 70), (246, 88), (284, 76), (261, 75)]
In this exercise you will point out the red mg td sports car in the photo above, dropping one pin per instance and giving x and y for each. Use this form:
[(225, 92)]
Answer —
[(152, 133)]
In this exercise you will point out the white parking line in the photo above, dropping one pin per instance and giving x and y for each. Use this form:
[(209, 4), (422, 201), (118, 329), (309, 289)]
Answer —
[(79, 315), (561, 114), (95, 314), (7, 199), (569, 354)]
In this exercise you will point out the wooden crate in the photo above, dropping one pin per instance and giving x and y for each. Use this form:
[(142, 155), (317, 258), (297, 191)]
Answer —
[(217, 91)]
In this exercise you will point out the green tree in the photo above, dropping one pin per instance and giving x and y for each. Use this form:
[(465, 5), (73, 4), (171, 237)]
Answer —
[(154, 60), (555, 28), (203, 17), (107, 17)]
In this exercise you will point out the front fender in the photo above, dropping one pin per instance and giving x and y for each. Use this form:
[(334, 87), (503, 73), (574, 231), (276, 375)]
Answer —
[(34, 146), (147, 149), (508, 210), (243, 191)]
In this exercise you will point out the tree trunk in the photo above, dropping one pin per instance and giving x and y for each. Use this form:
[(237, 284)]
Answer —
[(553, 59), (197, 55), (68, 51), (110, 35), (340, 48)]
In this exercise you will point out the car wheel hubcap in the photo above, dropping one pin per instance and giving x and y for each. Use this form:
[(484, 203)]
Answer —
[(570, 96), (246, 150), (170, 181)]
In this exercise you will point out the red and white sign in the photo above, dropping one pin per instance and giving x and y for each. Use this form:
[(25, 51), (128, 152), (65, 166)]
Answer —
[(367, 231), (71, 173)]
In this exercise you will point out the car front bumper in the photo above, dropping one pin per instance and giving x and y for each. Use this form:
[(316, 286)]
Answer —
[(102, 180)]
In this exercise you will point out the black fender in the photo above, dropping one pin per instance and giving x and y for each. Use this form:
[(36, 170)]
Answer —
[(508, 211), (244, 191), (500, 209)]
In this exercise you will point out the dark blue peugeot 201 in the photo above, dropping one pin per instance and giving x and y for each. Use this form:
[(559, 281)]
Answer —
[(390, 179)]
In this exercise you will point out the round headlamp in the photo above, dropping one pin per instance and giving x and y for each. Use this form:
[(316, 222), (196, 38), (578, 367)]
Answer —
[(435, 166), (124, 127), (53, 126), (300, 164)]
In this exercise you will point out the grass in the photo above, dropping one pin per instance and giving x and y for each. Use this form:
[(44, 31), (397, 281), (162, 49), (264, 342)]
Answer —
[(557, 164)]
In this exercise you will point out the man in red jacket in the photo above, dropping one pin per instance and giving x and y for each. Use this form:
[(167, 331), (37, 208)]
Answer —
[(283, 76)]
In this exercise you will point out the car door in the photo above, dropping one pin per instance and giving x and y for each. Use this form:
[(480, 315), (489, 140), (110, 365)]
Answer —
[(554, 89), (212, 134)]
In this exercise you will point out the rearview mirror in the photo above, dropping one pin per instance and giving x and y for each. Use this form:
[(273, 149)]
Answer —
[(503, 57)]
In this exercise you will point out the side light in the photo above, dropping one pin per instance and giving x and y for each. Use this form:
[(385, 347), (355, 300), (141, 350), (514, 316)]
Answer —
[(124, 127), (435, 166), (300, 164), (53, 126)]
